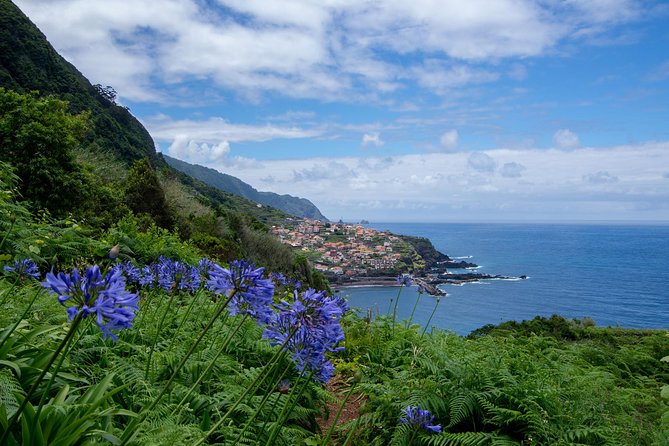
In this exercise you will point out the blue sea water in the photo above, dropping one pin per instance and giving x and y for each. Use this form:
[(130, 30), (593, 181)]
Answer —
[(616, 274)]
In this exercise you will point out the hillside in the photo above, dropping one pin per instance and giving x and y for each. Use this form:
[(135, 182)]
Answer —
[(77, 155), (300, 207), (29, 63)]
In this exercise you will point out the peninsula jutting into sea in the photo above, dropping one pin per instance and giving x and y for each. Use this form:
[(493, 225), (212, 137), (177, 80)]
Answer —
[(356, 255)]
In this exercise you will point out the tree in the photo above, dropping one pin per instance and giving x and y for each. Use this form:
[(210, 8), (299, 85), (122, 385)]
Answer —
[(37, 136), (107, 92), (145, 195)]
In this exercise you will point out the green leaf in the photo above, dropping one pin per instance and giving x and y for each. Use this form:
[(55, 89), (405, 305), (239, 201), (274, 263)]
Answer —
[(665, 392)]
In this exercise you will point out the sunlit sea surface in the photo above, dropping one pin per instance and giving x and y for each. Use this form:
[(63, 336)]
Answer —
[(616, 274)]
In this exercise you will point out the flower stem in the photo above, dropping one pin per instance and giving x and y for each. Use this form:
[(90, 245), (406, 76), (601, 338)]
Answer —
[(413, 435), (9, 291), (430, 319), (45, 393), (397, 300), (183, 320), (413, 311), (274, 379), (257, 382), (155, 338), (129, 432), (276, 430), (211, 363), (349, 437)]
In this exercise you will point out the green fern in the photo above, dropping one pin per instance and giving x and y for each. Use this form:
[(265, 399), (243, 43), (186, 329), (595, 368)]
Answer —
[(10, 390)]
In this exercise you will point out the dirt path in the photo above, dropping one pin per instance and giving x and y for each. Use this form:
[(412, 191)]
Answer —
[(340, 388)]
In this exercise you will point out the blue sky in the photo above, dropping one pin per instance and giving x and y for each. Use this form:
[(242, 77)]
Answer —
[(512, 110)]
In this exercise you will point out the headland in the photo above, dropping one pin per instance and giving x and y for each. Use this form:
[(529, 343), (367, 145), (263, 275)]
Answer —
[(353, 255)]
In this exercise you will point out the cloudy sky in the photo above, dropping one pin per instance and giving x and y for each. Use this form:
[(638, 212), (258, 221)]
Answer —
[(397, 110)]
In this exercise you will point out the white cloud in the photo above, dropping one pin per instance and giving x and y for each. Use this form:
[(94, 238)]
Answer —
[(214, 129), (189, 150), (600, 177), (482, 162), (304, 49), (372, 138), (318, 172), (441, 78), (512, 170), (449, 140), (556, 184), (566, 139)]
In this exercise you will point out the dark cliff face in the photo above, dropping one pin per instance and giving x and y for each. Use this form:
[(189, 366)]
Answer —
[(29, 63), (300, 207)]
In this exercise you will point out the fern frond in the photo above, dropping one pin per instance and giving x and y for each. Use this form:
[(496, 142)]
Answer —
[(10, 389)]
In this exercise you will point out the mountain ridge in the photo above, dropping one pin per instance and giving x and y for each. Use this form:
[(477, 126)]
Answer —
[(297, 206), (28, 62)]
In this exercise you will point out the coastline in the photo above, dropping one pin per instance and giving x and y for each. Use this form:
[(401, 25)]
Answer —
[(430, 288)]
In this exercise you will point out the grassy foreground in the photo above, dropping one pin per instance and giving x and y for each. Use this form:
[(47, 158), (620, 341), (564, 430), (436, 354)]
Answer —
[(543, 382)]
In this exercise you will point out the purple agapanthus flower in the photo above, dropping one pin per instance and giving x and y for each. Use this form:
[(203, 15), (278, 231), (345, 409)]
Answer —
[(279, 278), (149, 276), (205, 266), (309, 326), (132, 273), (23, 269), (296, 284), (420, 419), (404, 280), (104, 297), (251, 293), (177, 275)]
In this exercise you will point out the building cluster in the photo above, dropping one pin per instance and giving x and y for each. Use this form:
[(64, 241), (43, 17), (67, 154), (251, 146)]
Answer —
[(343, 249)]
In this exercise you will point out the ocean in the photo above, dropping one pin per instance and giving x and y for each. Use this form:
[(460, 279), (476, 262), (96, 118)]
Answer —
[(616, 274)]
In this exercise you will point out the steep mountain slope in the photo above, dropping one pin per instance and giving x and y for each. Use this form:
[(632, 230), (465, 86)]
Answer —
[(28, 62), (300, 207)]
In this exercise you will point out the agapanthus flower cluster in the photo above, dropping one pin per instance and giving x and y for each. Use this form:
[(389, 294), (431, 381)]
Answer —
[(167, 274), (420, 419), (404, 280), (176, 275), (278, 278), (132, 273), (205, 266), (23, 269), (104, 297), (251, 292), (296, 284), (149, 276), (309, 326)]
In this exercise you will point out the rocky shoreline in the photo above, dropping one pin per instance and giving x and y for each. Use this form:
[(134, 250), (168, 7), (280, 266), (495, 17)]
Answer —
[(435, 273), (430, 284)]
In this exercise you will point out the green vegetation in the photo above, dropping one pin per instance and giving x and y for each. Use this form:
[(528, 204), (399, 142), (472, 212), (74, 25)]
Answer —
[(546, 382), (300, 207), (29, 63), (80, 179)]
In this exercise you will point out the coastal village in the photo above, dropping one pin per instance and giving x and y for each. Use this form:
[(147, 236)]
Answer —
[(354, 254), (346, 250)]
